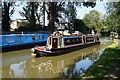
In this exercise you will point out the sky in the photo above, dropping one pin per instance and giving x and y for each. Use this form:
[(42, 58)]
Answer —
[(81, 11), (18, 9), (100, 7)]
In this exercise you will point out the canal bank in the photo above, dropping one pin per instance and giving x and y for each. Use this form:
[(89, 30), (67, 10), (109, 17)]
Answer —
[(107, 66)]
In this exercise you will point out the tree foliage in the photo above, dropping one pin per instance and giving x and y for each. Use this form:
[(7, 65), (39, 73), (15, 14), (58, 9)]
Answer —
[(30, 12), (113, 18), (55, 10), (28, 27), (94, 21), (7, 11), (79, 25)]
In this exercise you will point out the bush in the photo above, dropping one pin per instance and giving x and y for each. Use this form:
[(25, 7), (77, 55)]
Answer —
[(29, 27)]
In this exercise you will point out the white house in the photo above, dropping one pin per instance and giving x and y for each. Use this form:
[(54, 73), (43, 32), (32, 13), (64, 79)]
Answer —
[(16, 23)]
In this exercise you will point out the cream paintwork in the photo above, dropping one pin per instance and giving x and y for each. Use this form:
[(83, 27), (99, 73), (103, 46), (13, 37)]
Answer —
[(50, 46), (59, 42), (95, 39)]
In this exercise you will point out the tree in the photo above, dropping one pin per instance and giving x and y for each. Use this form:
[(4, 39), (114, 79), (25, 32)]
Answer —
[(6, 13), (94, 21), (70, 11), (54, 11), (113, 18), (80, 26), (68, 8), (30, 12)]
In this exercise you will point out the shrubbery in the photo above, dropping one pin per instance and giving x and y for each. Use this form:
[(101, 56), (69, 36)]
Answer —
[(29, 27)]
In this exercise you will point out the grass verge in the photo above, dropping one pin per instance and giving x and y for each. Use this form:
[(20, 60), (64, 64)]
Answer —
[(107, 67)]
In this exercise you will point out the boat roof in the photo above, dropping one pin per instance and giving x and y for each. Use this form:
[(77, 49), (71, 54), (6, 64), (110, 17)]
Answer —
[(21, 34)]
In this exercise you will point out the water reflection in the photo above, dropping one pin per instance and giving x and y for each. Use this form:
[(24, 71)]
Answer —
[(21, 65), (17, 69), (68, 64), (0, 66), (13, 63)]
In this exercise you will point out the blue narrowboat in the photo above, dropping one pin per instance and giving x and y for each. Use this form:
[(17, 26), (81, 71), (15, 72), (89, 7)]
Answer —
[(19, 41)]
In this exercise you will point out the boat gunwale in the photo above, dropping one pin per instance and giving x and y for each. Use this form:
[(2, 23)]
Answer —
[(66, 47)]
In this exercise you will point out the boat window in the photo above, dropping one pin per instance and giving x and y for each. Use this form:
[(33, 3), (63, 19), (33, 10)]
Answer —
[(77, 40), (10, 39), (89, 39), (34, 38), (72, 41), (68, 41), (19, 39), (43, 37), (39, 37)]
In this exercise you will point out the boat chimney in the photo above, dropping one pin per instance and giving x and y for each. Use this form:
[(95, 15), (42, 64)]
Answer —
[(22, 33)]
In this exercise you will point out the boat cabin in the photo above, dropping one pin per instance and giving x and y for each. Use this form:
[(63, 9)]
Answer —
[(60, 40), (54, 41)]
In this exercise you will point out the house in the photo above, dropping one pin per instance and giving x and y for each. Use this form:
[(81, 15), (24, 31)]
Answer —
[(16, 23)]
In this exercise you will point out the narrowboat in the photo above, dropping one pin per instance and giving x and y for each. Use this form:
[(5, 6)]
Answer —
[(21, 41), (61, 42), (114, 35)]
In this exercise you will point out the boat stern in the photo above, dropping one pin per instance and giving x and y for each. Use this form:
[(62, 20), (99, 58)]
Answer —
[(40, 51)]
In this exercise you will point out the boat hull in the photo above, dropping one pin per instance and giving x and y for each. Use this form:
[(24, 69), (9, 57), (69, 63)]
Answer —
[(20, 47), (18, 41), (64, 50)]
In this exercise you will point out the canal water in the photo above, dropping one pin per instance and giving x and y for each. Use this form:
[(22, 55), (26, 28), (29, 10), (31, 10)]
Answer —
[(20, 64)]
